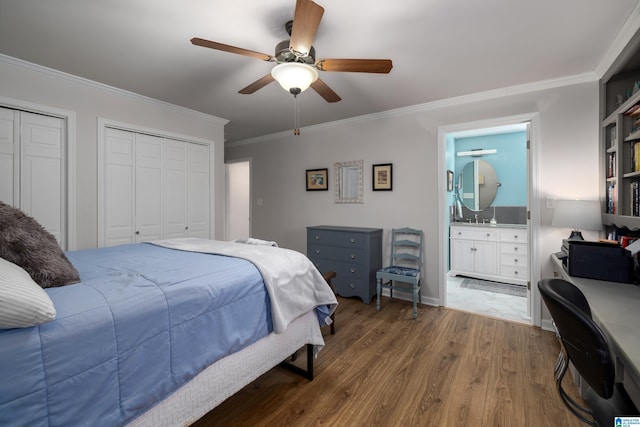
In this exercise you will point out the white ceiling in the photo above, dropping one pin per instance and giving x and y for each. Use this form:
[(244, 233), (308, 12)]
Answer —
[(439, 48)]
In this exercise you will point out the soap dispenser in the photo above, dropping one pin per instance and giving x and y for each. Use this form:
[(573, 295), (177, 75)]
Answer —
[(493, 218)]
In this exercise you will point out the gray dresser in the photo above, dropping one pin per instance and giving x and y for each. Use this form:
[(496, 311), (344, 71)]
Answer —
[(354, 253)]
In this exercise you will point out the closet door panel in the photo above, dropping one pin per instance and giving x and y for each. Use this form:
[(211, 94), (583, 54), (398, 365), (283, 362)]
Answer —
[(198, 191), (148, 193), (8, 148), (41, 180), (175, 189), (118, 191)]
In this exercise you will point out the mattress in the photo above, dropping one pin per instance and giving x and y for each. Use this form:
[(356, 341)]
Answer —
[(143, 322)]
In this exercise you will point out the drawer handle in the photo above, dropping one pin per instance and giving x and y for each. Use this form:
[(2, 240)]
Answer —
[(459, 233), (515, 236), (353, 256), (317, 237), (352, 285), (515, 260), (488, 234), (515, 248), (352, 240), (317, 251), (515, 272), (353, 270)]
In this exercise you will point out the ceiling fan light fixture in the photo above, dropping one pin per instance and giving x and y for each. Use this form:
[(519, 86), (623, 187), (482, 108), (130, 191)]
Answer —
[(294, 75)]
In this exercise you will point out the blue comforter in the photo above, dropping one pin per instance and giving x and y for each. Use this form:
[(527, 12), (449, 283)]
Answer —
[(143, 321)]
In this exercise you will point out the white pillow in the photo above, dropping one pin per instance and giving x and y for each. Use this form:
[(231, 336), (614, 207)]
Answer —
[(23, 302)]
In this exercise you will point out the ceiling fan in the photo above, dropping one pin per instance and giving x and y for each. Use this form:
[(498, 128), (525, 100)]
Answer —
[(297, 67)]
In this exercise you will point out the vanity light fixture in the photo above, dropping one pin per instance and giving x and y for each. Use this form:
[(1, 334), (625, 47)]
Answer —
[(478, 152)]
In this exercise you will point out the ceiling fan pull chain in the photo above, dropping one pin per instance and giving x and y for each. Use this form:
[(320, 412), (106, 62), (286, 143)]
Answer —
[(296, 116)]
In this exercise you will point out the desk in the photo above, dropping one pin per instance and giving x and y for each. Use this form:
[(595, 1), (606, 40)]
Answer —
[(615, 307)]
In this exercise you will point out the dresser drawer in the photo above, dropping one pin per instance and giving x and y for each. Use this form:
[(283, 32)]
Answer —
[(352, 255), (513, 249), (337, 238), (474, 233), (517, 235)]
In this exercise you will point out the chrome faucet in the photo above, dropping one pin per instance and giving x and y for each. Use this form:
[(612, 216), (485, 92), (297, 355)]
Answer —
[(476, 215)]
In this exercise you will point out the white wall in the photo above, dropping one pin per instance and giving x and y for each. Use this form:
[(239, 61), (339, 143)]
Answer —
[(567, 167), (26, 82)]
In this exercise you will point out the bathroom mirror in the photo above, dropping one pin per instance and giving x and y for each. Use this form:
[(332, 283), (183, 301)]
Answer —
[(349, 182), (477, 185)]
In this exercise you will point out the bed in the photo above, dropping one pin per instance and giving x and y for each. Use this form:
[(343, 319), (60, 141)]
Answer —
[(160, 333)]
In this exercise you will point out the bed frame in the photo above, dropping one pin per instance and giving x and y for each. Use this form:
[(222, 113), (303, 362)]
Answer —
[(230, 374)]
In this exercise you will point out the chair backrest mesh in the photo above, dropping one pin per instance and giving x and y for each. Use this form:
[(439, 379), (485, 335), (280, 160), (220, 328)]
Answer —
[(586, 345)]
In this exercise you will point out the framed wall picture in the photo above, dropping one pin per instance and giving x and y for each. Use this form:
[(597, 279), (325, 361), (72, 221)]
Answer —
[(317, 179), (383, 177), (449, 180)]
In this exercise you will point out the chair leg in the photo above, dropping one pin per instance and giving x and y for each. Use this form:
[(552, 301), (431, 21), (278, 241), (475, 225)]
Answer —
[(416, 294), (378, 290), (583, 414)]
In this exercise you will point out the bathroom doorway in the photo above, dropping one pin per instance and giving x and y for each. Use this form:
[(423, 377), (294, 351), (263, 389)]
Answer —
[(485, 269)]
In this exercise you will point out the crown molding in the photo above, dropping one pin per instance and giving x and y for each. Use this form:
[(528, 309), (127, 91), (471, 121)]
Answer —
[(434, 105), (624, 36), (106, 88)]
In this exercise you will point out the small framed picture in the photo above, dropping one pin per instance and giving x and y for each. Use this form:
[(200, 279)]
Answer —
[(382, 177), (317, 179), (449, 180)]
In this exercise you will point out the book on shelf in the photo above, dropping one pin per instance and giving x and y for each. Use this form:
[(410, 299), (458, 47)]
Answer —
[(611, 165), (613, 136), (634, 198), (612, 198), (636, 157)]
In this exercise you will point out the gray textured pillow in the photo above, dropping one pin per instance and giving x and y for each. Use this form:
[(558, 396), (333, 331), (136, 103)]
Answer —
[(24, 242)]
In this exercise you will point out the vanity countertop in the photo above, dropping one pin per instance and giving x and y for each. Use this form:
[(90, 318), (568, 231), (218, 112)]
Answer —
[(479, 224)]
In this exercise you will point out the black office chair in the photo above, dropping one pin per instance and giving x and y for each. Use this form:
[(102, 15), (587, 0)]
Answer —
[(583, 343)]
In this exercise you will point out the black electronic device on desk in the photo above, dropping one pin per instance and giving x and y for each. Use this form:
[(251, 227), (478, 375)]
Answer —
[(598, 260)]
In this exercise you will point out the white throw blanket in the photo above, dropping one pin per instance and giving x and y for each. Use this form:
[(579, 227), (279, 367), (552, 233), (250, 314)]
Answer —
[(294, 284)]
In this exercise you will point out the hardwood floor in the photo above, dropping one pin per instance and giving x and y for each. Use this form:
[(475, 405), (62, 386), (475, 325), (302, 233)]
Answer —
[(447, 368)]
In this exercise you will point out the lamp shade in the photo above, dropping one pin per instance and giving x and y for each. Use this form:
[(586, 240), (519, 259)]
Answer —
[(577, 214), (292, 75)]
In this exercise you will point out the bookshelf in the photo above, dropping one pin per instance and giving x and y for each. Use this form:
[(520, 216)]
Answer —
[(620, 140)]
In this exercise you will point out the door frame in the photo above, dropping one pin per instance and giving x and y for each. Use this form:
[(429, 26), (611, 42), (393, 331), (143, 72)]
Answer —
[(534, 306), (68, 161)]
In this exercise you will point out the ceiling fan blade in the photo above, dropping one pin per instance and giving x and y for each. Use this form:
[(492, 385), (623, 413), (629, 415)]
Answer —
[(325, 91), (383, 66), (231, 49), (258, 84), (305, 25)]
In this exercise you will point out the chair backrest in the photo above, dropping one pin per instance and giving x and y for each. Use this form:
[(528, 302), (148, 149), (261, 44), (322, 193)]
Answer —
[(586, 345), (406, 247)]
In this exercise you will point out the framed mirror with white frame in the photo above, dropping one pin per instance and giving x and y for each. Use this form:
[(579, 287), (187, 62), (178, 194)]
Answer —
[(349, 182)]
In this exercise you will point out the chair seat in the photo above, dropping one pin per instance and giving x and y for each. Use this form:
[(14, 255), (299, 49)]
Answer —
[(401, 271)]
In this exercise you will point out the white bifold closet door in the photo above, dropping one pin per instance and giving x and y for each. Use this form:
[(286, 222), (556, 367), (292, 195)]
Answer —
[(154, 188), (32, 167)]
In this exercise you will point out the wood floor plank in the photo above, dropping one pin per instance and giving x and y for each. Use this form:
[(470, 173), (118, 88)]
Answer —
[(381, 368)]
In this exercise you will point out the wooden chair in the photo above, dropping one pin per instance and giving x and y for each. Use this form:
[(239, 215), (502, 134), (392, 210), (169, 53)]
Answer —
[(406, 265), (328, 276)]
